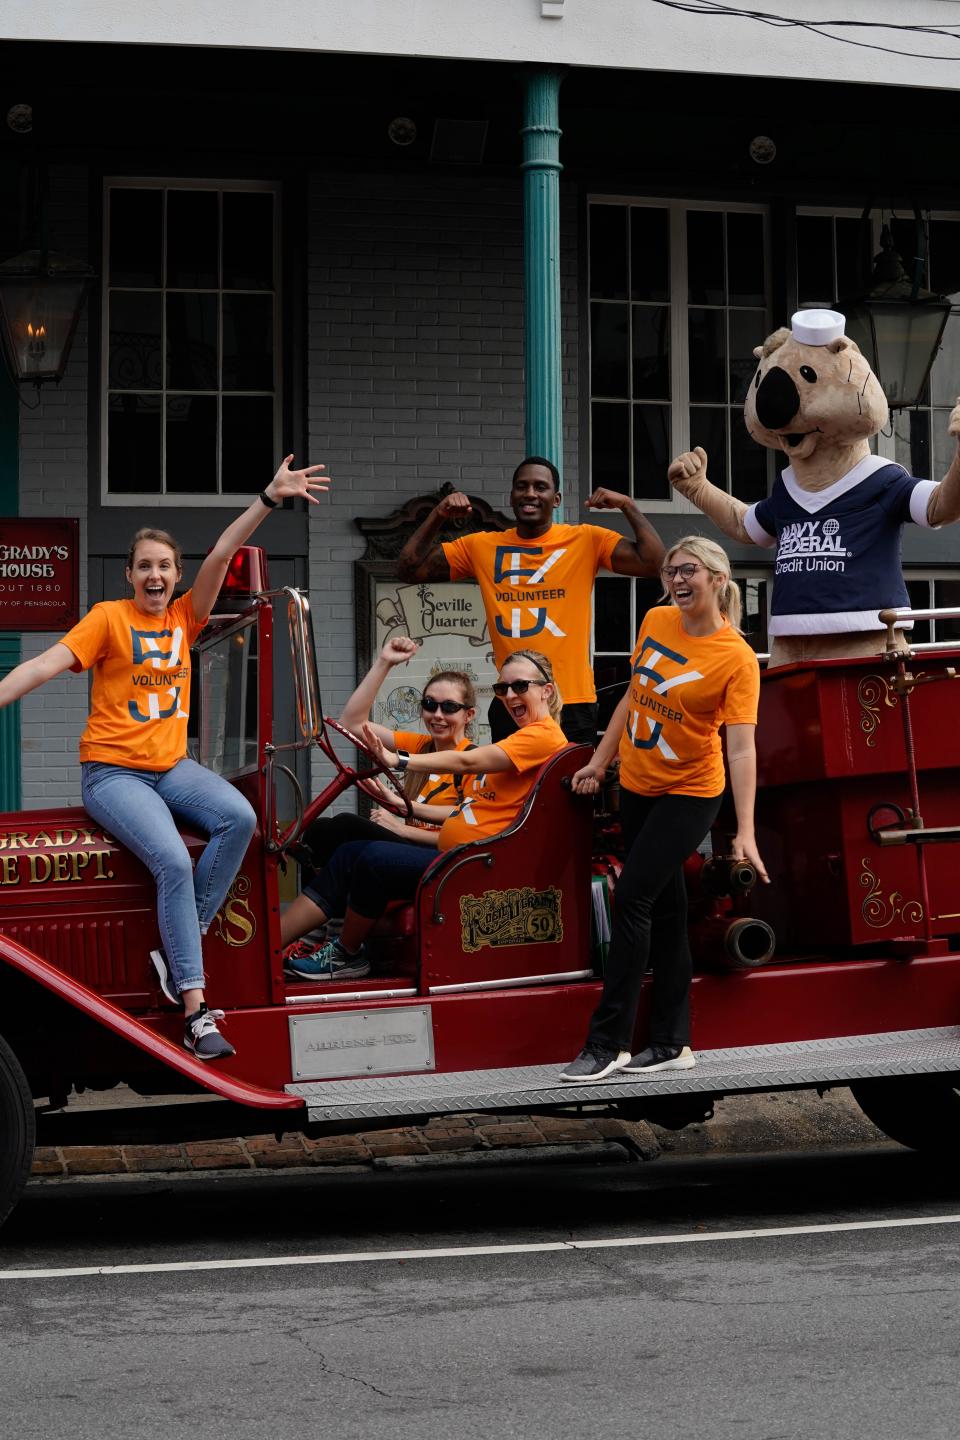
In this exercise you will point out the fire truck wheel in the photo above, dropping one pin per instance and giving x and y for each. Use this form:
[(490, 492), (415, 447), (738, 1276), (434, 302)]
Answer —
[(919, 1111), (17, 1130)]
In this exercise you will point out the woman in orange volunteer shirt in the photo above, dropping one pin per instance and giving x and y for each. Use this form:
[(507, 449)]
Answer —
[(692, 672), (362, 877), (137, 780), (447, 706)]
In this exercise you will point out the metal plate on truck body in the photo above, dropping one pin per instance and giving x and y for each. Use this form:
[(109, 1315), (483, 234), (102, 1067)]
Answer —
[(390, 1041)]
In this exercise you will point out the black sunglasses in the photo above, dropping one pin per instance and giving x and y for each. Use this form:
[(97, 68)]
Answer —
[(519, 687), (449, 707)]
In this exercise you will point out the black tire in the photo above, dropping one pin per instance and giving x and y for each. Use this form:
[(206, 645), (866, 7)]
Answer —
[(17, 1130), (919, 1111)]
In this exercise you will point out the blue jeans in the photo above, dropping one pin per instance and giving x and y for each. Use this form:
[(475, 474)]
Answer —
[(140, 809), (365, 875)]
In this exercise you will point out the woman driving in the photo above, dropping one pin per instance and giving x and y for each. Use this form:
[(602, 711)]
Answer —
[(363, 876), (447, 706)]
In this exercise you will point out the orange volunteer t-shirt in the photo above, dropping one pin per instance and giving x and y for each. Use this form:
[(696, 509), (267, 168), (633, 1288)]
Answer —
[(141, 682), (682, 689), (495, 800), (538, 594), (441, 788)]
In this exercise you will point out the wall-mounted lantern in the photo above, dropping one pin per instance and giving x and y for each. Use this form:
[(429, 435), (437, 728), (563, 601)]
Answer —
[(41, 296), (898, 324)]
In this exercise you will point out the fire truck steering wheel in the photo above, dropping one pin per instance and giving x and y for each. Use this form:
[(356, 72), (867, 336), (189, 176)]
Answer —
[(365, 780)]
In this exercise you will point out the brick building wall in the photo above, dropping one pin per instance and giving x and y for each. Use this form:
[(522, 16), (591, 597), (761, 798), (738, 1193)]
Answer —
[(415, 367), (415, 377), (53, 482)]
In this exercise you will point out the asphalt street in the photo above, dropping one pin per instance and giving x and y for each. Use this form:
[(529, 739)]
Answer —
[(706, 1297)]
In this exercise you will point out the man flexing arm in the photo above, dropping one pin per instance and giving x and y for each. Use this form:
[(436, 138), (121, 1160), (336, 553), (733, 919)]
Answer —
[(422, 558), (643, 555)]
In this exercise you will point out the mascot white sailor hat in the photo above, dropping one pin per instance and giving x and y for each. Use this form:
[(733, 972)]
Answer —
[(817, 327)]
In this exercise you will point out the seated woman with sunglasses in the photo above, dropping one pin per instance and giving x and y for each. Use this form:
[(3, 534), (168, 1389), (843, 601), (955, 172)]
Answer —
[(448, 704), (363, 876), (691, 672)]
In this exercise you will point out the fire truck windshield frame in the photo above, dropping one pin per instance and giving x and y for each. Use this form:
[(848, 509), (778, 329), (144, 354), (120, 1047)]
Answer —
[(227, 693)]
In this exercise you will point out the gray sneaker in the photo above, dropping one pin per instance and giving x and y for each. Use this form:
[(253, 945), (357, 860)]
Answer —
[(162, 966), (660, 1057), (591, 1065), (201, 1036)]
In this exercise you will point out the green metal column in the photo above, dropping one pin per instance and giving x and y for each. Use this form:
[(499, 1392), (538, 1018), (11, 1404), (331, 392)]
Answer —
[(541, 244), (10, 790)]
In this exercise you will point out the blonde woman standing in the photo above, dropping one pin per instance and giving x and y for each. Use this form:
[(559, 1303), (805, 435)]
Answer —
[(691, 673)]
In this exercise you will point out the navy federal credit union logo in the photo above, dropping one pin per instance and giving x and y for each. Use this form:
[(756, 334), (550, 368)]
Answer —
[(147, 650), (652, 708), (509, 569)]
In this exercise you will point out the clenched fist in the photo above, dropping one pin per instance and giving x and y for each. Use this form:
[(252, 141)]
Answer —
[(455, 506), (688, 470)]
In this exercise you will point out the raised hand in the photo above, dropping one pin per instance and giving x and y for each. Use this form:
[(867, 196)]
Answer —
[(456, 506), (688, 470), (398, 649), (287, 482)]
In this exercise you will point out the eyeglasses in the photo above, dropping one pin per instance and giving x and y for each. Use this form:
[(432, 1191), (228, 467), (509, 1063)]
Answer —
[(670, 572), (449, 707), (519, 687)]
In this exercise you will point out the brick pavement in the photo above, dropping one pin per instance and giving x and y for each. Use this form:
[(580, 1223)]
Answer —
[(745, 1124)]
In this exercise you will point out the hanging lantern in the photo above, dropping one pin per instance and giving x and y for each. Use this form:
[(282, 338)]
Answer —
[(41, 296), (898, 325)]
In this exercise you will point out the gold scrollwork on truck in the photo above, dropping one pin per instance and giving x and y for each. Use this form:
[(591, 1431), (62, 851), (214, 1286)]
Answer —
[(235, 922), (511, 917), (879, 910), (873, 691)]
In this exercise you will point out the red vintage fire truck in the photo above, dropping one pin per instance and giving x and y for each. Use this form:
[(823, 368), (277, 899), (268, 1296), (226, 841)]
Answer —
[(845, 970)]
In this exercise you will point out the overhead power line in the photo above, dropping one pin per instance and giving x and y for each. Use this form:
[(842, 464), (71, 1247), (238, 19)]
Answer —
[(718, 10)]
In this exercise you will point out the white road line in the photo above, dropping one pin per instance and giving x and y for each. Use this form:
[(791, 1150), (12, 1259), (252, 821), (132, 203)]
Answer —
[(369, 1257)]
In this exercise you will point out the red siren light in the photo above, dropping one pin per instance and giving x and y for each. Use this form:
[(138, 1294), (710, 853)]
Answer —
[(246, 576)]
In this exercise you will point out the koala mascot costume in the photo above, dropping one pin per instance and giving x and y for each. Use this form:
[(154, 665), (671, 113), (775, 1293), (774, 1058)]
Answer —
[(837, 512)]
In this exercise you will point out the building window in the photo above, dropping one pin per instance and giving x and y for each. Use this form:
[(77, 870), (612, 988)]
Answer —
[(921, 442), (834, 260), (933, 592), (190, 368), (678, 299)]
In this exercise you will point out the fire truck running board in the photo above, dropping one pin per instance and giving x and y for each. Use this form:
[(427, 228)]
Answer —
[(789, 1066)]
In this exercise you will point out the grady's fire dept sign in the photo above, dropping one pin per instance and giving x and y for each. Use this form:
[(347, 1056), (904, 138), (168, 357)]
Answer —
[(39, 574)]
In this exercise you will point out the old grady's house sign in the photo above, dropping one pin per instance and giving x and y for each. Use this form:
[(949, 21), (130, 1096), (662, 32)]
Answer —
[(39, 574)]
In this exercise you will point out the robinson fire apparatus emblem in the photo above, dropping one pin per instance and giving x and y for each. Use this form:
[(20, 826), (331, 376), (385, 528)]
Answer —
[(511, 917)]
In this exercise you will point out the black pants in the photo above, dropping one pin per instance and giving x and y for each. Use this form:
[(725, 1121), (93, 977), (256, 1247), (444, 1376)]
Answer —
[(331, 831), (650, 917), (578, 722)]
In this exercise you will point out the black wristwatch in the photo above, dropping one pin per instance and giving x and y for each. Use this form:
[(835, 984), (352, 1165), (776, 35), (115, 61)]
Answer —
[(403, 759), (270, 504)]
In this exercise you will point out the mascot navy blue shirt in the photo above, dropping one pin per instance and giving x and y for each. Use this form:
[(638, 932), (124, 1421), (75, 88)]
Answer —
[(838, 550)]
